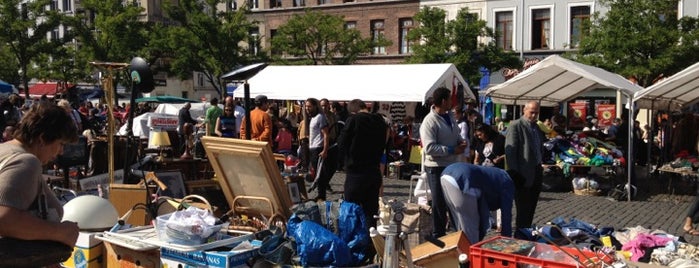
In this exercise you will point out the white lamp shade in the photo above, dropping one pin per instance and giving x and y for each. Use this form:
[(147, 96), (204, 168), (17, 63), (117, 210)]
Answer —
[(158, 138)]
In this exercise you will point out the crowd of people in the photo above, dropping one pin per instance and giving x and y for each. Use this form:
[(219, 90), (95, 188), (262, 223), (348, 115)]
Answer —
[(472, 168)]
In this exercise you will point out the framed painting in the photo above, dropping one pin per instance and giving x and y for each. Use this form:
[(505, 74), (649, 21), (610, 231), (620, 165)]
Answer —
[(174, 182), (248, 168)]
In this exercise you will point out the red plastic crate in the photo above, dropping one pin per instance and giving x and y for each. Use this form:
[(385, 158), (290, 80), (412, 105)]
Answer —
[(482, 258)]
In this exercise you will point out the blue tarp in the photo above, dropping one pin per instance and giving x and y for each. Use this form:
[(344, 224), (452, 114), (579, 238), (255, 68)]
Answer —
[(230, 88), (6, 87)]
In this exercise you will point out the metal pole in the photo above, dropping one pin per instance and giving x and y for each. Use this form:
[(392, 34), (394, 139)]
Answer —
[(108, 87), (630, 158), (248, 123)]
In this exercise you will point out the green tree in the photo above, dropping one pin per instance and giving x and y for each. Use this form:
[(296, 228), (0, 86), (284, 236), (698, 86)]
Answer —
[(318, 38), (25, 27), (109, 30), (431, 41), (206, 40), (642, 39), (456, 41), (8, 65)]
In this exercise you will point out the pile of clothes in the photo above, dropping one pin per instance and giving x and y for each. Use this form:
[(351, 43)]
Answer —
[(582, 150), (635, 244)]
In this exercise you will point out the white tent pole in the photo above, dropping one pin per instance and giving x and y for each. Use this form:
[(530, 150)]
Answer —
[(629, 154)]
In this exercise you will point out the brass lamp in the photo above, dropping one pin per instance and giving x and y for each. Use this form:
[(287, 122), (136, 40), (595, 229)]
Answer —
[(188, 140), (158, 138)]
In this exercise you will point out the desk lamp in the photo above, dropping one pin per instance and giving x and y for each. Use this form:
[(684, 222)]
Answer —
[(158, 138)]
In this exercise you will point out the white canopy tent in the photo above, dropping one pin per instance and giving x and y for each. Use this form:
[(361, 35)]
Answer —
[(673, 93), (556, 79), (396, 82)]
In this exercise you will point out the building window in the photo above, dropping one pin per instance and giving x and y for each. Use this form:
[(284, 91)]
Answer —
[(274, 50), (231, 5), (579, 19), (54, 34), (323, 2), (54, 5), (254, 41), (504, 26), (541, 28), (406, 25), (254, 4), (67, 5), (351, 25), (347, 1), (377, 33), (275, 3), (299, 3)]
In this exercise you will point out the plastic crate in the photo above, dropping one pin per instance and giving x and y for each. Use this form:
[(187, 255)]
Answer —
[(485, 257), (176, 232)]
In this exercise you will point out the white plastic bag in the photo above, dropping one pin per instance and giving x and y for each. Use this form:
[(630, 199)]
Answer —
[(422, 188)]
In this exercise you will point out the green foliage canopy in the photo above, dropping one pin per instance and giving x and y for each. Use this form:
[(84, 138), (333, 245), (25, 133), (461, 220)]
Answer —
[(318, 38), (642, 39), (438, 41)]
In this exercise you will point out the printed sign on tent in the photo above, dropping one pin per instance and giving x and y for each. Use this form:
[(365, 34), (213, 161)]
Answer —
[(577, 111), (605, 115)]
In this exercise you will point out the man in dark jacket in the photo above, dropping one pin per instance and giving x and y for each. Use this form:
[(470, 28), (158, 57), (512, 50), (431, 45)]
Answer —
[(523, 158), (183, 116), (362, 142)]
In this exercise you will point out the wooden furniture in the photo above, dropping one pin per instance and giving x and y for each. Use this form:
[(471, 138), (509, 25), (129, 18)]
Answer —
[(124, 197), (192, 169)]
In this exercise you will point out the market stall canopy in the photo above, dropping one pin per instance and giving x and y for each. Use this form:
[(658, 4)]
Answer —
[(197, 110), (673, 93), (390, 82), (164, 99), (49, 89), (7, 88), (556, 79), (143, 124)]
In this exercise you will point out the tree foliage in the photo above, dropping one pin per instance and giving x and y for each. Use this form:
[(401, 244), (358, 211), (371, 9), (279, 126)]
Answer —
[(457, 41), (8, 65), (642, 39), (206, 40), (318, 38), (25, 25)]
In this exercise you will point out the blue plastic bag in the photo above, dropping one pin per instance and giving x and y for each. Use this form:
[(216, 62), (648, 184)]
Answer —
[(322, 247), (317, 246)]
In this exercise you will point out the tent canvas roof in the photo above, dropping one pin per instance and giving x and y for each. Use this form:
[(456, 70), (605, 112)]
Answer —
[(556, 79), (165, 99), (50, 89), (396, 82), (673, 93)]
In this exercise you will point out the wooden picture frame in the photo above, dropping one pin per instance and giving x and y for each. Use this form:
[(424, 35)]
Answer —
[(212, 191), (294, 192), (248, 168), (174, 180)]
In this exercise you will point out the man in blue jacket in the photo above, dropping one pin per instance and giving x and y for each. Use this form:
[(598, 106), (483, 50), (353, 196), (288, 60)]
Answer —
[(471, 192)]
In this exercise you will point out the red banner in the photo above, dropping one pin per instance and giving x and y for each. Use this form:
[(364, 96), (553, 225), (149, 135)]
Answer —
[(605, 115), (577, 111)]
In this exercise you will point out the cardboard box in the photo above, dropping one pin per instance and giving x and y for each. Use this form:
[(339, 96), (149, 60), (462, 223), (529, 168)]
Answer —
[(118, 256), (429, 255), (88, 252), (208, 259)]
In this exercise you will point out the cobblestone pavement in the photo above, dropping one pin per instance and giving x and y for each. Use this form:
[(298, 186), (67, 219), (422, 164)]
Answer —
[(656, 205)]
